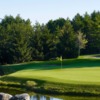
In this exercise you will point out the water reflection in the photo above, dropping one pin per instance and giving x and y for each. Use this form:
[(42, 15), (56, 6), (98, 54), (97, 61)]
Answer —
[(40, 97)]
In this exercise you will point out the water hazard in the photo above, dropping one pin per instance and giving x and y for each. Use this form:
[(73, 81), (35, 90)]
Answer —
[(41, 97)]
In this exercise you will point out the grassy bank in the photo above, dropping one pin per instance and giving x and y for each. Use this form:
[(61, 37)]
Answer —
[(76, 77)]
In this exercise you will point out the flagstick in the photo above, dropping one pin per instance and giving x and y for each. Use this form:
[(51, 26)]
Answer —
[(61, 64), (60, 58)]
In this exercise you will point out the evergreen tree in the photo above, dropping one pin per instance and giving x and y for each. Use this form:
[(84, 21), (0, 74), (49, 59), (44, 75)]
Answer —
[(36, 43), (67, 46), (77, 22), (49, 44), (14, 43)]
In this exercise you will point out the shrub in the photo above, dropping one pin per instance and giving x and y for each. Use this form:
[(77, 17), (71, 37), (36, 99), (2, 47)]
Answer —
[(30, 84)]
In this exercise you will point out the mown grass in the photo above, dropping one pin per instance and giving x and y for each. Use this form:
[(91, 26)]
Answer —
[(77, 76)]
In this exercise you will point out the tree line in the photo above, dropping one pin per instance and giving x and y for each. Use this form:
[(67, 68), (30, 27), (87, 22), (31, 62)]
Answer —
[(20, 41)]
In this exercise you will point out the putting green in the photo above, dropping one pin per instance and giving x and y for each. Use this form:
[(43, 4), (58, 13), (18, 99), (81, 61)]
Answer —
[(64, 75)]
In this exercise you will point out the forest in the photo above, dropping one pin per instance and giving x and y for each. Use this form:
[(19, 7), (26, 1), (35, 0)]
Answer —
[(20, 41)]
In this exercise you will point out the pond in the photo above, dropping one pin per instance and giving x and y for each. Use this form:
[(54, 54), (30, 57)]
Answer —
[(42, 97)]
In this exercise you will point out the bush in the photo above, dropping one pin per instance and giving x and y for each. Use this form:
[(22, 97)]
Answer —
[(30, 84)]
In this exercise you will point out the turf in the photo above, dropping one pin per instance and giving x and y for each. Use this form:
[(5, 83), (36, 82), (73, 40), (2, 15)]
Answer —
[(84, 70)]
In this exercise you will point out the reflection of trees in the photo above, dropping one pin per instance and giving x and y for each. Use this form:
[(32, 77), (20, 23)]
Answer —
[(39, 97), (47, 98), (36, 97)]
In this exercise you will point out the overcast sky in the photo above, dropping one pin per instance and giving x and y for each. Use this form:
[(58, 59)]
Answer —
[(44, 10)]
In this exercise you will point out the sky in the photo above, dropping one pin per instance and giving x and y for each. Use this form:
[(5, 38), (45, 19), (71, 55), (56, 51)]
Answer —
[(45, 10)]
